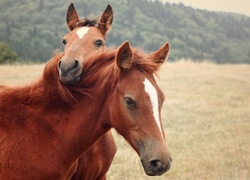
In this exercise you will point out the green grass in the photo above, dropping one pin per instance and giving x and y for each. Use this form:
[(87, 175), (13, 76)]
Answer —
[(206, 117)]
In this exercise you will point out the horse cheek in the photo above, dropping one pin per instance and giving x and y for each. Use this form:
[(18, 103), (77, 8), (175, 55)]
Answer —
[(115, 109)]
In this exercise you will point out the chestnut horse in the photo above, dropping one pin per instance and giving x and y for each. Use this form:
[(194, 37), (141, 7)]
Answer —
[(94, 163), (125, 52), (42, 134), (85, 36)]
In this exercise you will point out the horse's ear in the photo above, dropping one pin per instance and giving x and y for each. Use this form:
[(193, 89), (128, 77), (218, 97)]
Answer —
[(160, 56), (72, 17), (124, 56), (106, 20)]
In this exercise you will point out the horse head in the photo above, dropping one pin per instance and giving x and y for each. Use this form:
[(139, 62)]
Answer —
[(135, 106), (85, 36)]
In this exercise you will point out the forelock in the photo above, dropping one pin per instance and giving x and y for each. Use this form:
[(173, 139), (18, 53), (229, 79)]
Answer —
[(92, 20)]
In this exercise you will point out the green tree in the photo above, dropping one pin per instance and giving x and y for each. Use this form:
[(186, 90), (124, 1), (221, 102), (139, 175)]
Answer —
[(41, 5), (6, 54), (34, 29)]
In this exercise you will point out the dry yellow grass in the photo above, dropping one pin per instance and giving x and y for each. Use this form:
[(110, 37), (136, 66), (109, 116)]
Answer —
[(20, 74), (206, 117)]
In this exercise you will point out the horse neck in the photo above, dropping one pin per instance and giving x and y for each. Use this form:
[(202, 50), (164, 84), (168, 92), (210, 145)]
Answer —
[(44, 90), (91, 112), (41, 108), (50, 83), (75, 120)]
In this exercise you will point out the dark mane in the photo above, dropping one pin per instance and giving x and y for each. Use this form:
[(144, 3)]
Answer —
[(141, 60), (92, 20), (102, 64), (99, 64), (144, 61), (51, 66), (51, 78)]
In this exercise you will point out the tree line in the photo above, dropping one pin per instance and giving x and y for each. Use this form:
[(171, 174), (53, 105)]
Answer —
[(34, 29)]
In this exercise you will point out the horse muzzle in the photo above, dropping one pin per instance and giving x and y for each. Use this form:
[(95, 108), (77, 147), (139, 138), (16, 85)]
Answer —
[(70, 72), (156, 166), (155, 157)]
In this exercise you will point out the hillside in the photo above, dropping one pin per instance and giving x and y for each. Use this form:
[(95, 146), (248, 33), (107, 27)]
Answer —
[(34, 29)]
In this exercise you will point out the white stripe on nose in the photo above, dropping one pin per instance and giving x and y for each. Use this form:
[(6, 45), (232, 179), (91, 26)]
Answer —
[(82, 31), (150, 89)]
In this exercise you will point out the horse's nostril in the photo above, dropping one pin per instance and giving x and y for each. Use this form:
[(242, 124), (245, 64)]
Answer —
[(155, 164), (168, 165), (76, 63), (59, 64)]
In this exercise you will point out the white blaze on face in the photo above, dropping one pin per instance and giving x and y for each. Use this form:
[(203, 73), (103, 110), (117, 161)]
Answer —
[(82, 31), (150, 89)]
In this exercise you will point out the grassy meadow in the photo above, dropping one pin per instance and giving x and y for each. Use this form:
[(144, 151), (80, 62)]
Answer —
[(206, 116)]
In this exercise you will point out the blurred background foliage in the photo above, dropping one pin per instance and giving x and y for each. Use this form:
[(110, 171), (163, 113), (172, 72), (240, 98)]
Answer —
[(34, 28), (6, 54)]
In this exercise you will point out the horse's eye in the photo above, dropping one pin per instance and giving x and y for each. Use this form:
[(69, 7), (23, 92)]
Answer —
[(129, 102), (64, 41), (99, 43)]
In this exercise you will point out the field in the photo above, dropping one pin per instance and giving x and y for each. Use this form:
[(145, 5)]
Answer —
[(206, 117)]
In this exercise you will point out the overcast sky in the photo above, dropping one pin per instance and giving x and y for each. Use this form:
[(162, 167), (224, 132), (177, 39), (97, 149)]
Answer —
[(235, 6)]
